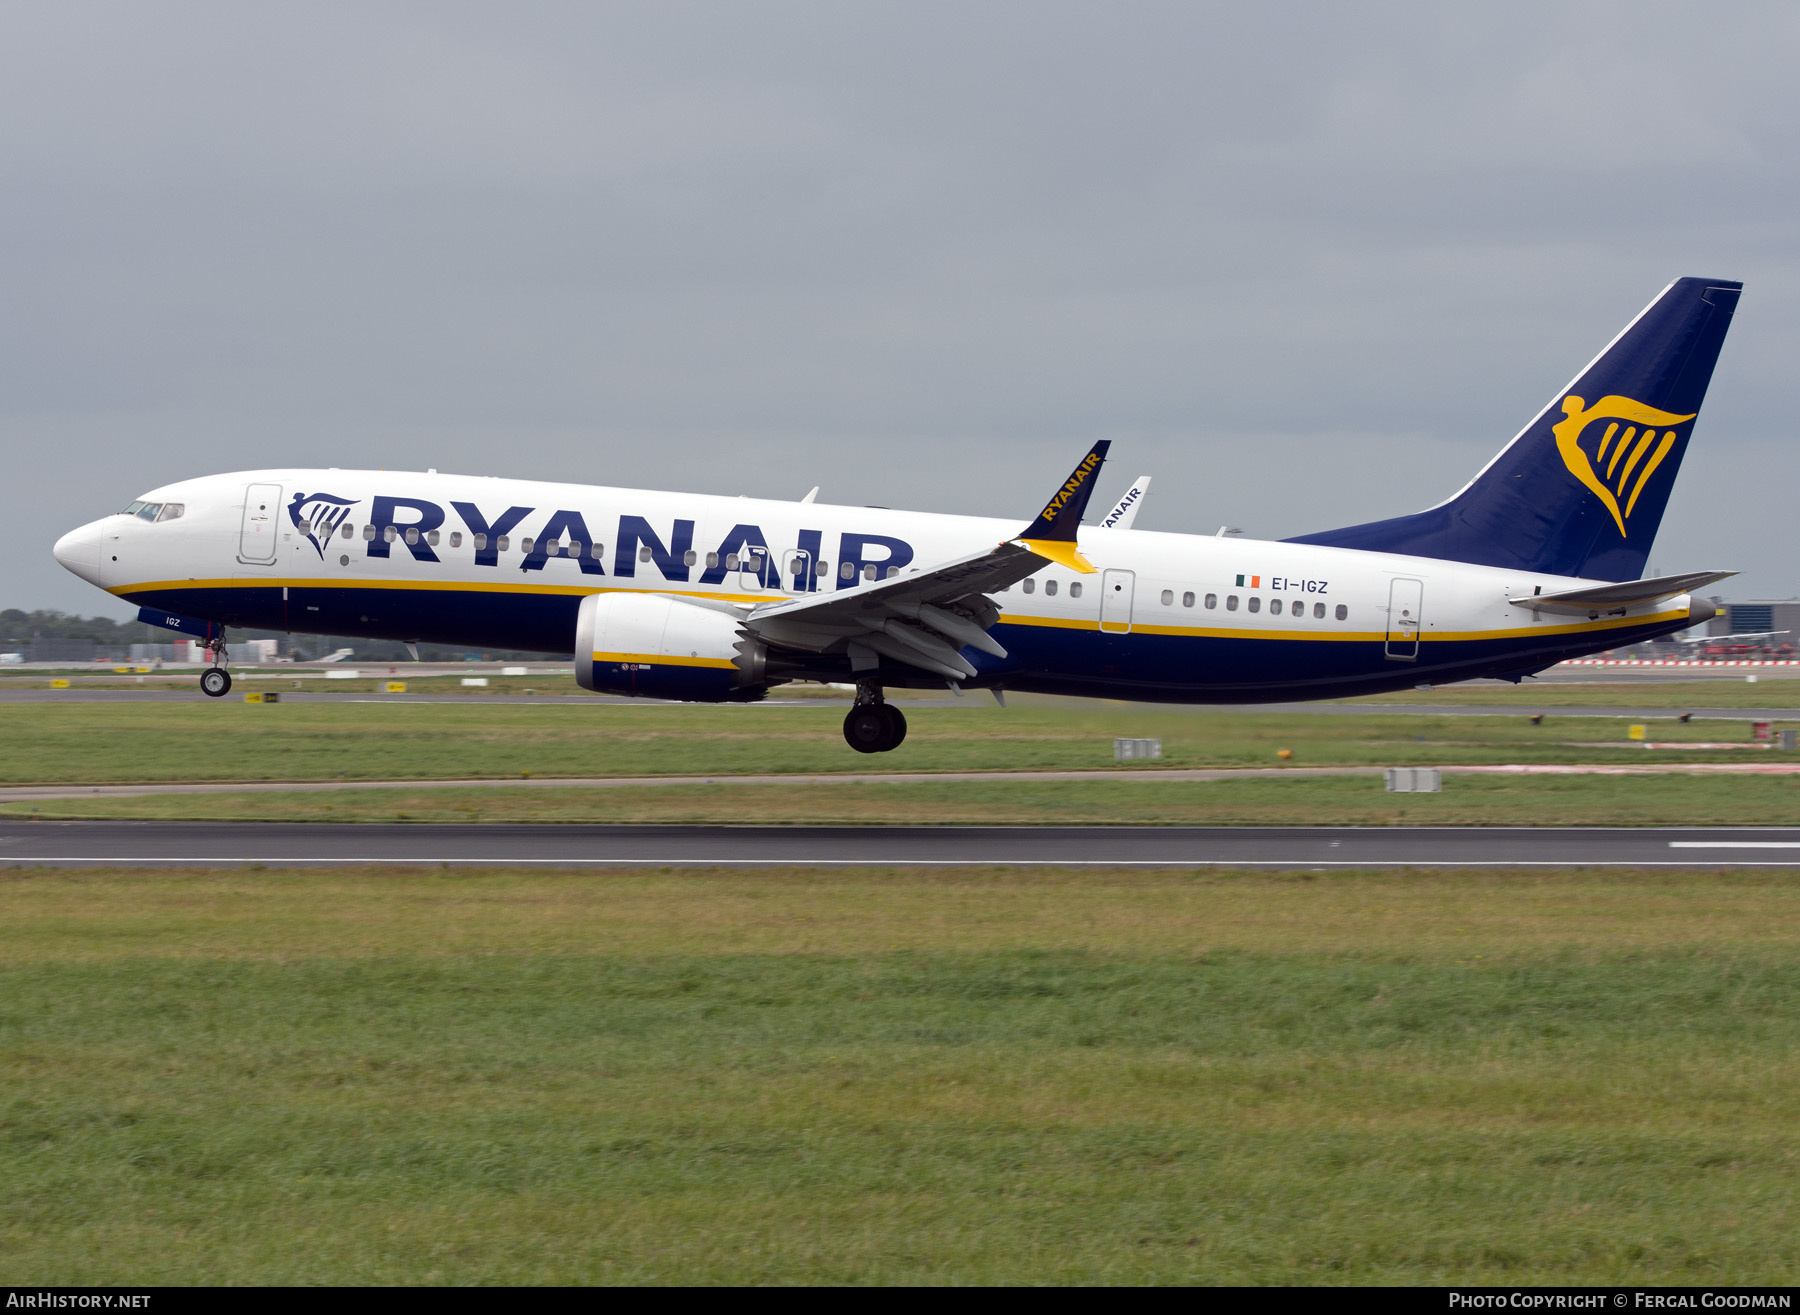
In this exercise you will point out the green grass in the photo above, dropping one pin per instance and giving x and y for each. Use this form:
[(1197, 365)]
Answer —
[(298, 741), (1674, 800), (976, 1076), (1769, 691)]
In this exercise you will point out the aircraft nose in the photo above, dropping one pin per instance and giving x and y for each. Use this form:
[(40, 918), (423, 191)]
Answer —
[(79, 551)]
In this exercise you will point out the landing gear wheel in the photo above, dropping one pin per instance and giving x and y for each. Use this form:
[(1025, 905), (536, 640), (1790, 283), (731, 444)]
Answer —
[(216, 682), (874, 728), (867, 728)]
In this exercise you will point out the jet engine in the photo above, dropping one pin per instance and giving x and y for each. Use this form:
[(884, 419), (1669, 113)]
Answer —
[(658, 647)]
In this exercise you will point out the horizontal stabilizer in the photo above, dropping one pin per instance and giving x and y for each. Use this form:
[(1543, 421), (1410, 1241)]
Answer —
[(1619, 597)]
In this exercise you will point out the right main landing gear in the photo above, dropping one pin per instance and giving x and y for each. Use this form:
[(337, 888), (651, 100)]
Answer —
[(873, 726)]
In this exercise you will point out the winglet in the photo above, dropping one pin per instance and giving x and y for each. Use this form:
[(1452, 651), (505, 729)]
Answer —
[(1052, 534)]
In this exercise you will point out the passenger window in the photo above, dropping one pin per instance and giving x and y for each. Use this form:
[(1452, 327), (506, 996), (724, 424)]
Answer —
[(1343, 612), (1050, 587), (1029, 586), (368, 533), (574, 548), (823, 569), (349, 531), (1274, 607), (431, 537), (480, 542), (1231, 602), (390, 533), (846, 570), (1004, 589), (599, 551), (689, 557), (1255, 603), (171, 511), (868, 572), (1318, 611), (1299, 611), (891, 572), (456, 538), (1074, 588), (731, 561), (643, 554), (526, 544), (1187, 600), (1212, 601), (1168, 598), (505, 541)]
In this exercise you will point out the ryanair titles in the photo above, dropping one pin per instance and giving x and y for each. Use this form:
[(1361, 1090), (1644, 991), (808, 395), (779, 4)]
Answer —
[(1066, 494), (417, 526)]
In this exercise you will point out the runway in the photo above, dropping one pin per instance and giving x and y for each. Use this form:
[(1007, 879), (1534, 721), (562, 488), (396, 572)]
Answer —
[(226, 844)]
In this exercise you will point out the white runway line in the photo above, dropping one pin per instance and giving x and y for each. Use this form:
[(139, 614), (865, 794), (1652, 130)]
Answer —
[(1734, 844)]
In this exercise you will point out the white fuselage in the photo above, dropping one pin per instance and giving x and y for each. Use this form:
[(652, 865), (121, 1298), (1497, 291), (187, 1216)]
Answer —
[(1171, 616)]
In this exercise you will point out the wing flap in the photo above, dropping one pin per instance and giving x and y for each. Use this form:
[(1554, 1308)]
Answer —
[(924, 619)]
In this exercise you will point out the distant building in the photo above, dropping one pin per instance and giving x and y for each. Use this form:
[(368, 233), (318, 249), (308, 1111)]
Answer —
[(1756, 616)]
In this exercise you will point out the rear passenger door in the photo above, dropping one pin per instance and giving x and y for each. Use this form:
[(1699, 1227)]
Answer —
[(1406, 604)]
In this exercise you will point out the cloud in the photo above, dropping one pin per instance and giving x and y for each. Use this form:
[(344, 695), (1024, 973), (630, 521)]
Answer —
[(1308, 264)]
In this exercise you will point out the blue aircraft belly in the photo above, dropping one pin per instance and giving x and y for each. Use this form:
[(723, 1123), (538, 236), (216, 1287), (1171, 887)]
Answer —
[(1041, 659)]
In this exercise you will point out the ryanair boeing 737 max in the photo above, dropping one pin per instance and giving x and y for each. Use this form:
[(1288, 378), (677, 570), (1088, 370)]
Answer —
[(717, 599)]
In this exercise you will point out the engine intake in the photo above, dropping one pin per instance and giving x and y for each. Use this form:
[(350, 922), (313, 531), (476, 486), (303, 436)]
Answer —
[(658, 647)]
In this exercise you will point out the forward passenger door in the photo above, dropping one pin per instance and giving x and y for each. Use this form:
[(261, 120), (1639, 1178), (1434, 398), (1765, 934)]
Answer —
[(257, 536)]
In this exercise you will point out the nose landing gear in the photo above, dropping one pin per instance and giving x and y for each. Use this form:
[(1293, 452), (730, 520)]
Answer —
[(873, 726), (215, 681)]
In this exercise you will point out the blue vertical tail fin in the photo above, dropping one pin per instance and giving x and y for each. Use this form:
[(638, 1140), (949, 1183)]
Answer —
[(1581, 490)]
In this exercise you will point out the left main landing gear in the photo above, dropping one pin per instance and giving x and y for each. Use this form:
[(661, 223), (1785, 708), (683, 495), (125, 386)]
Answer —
[(873, 726)]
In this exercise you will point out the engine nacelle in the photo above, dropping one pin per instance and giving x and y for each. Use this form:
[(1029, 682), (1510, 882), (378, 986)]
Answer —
[(659, 647)]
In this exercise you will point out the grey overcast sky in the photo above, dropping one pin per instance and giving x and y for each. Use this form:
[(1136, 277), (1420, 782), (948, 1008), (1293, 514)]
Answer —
[(1305, 264)]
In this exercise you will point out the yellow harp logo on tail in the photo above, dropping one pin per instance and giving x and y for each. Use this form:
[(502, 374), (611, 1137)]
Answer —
[(1622, 460)]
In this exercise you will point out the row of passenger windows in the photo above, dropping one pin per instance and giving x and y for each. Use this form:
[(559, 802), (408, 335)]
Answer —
[(1030, 586), (575, 548), (1296, 608), (846, 570)]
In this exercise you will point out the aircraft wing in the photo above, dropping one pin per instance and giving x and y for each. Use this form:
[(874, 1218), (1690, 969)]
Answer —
[(1619, 597), (1125, 510), (924, 618)]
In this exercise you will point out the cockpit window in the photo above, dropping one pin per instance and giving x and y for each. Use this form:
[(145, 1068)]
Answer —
[(171, 511), (133, 509), (147, 511)]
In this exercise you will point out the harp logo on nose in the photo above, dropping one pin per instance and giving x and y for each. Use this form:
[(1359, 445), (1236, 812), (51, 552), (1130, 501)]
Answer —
[(1625, 453)]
